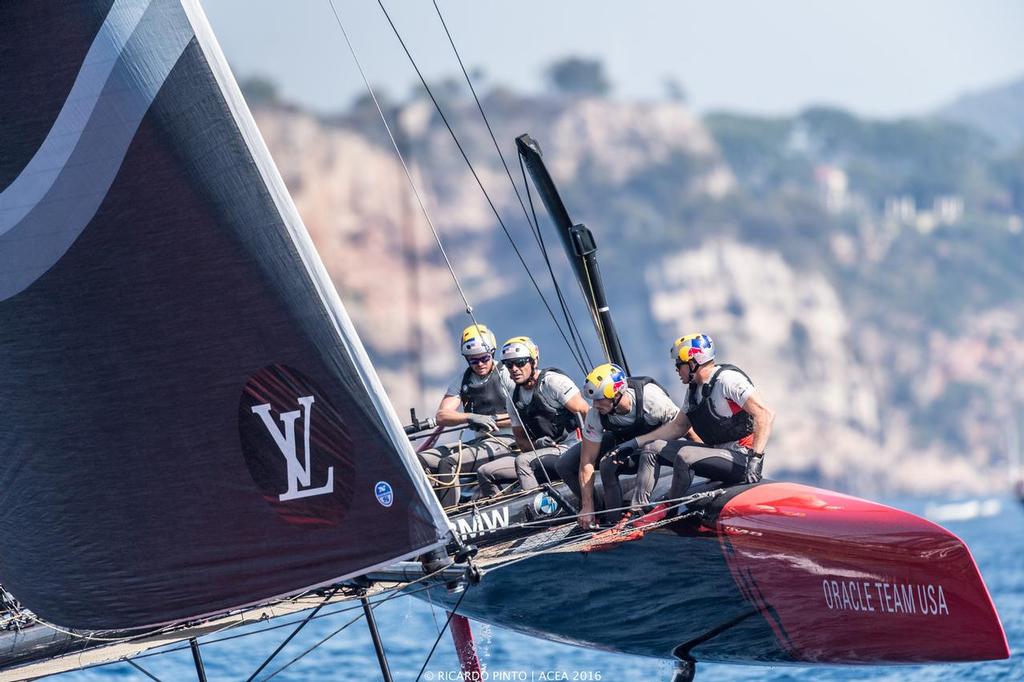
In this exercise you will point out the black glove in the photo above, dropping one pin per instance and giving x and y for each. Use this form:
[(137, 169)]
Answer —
[(624, 451), (755, 462), (482, 422), (543, 442)]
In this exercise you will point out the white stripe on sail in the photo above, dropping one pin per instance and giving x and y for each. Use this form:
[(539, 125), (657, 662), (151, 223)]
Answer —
[(36, 178), (83, 158)]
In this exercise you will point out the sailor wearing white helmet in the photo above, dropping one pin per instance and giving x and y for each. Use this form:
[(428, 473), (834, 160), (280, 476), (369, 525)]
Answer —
[(475, 398), (545, 409)]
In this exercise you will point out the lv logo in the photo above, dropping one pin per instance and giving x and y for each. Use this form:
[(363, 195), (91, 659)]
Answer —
[(299, 473)]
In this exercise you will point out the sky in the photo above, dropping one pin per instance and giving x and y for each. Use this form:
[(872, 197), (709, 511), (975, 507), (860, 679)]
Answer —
[(875, 58)]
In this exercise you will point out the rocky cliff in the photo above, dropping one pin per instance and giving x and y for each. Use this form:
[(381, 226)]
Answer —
[(868, 398)]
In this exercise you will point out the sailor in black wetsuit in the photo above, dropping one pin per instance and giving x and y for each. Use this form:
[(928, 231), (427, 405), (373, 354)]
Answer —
[(545, 409), (624, 408), (724, 419), (479, 392)]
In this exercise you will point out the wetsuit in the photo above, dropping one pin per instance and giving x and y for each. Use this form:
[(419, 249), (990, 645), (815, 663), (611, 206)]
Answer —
[(716, 414), (542, 414), (613, 429), (479, 395)]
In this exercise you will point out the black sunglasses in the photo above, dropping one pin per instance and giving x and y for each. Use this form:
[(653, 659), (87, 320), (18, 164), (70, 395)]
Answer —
[(680, 363), (518, 362), (479, 360)]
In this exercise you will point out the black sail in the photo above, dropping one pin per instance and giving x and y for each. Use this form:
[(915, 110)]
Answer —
[(189, 421)]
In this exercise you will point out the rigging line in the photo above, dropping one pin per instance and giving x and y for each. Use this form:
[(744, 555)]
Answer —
[(294, 632), (392, 593), (312, 648), (533, 224), (401, 158), (412, 183), (451, 614), (239, 635), (476, 177), (543, 247), (343, 627), (539, 238), (142, 670)]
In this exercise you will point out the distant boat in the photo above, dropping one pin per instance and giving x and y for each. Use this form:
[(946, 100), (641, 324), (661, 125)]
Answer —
[(1013, 459), (963, 511)]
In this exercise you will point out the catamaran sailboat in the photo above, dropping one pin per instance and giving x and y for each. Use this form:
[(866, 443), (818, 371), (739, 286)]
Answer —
[(195, 439)]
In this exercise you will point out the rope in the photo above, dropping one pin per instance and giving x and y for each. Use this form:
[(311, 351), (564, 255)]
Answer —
[(142, 670), (451, 614), (539, 236), (412, 183), (479, 183), (312, 648), (291, 635), (534, 224), (401, 158), (392, 593)]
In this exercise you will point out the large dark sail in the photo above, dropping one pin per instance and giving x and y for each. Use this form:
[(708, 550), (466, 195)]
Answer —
[(190, 423)]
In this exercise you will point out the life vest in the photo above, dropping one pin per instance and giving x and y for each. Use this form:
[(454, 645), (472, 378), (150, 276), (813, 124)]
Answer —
[(485, 397), (541, 419), (714, 429), (639, 426)]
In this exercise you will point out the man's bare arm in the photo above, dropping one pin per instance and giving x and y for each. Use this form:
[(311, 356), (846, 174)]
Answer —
[(524, 443), (449, 412), (763, 416), (588, 458)]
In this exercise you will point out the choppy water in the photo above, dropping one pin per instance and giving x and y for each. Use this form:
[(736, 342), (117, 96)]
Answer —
[(409, 628)]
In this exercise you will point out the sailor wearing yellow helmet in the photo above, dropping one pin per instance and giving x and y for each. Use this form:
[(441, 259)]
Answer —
[(476, 399), (545, 409), (624, 408), (729, 419)]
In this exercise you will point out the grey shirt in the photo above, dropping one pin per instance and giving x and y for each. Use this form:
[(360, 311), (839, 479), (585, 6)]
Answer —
[(658, 409), (556, 389)]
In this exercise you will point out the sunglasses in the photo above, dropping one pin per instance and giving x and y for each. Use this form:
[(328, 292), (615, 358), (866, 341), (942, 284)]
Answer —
[(479, 360), (680, 363), (518, 362)]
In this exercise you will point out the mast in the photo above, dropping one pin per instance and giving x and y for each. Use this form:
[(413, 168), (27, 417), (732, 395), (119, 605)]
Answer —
[(580, 248)]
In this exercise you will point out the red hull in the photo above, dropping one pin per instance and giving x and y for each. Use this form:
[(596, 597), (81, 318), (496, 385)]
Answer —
[(845, 580)]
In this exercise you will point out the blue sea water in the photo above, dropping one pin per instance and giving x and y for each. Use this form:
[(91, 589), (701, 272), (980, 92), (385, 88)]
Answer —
[(409, 628)]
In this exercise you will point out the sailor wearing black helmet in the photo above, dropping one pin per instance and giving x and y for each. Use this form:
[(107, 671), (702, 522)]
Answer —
[(727, 416), (624, 408), (476, 399), (546, 410)]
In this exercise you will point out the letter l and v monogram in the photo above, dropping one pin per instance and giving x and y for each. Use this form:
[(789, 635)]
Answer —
[(298, 475)]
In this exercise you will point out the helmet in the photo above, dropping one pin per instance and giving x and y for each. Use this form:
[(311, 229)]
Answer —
[(697, 347), (605, 381), (520, 347), (477, 340)]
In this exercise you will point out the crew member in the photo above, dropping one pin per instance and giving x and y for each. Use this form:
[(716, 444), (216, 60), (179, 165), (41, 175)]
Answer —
[(727, 415), (545, 409), (476, 399), (624, 408)]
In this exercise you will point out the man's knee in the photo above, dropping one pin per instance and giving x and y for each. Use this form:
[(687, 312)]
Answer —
[(568, 463), (448, 464), (524, 465), (485, 474), (649, 457), (609, 467)]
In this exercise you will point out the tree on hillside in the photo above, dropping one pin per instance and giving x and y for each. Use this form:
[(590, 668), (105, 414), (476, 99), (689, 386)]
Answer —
[(578, 76), (259, 90)]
